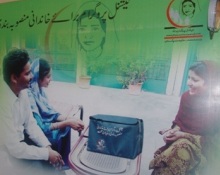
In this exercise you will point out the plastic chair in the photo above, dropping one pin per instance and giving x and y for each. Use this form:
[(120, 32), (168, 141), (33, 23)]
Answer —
[(83, 162)]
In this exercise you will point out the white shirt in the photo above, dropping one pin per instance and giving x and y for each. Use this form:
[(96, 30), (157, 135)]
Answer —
[(15, 118)]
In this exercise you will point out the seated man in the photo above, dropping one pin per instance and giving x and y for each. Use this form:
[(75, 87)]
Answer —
[(20, 155)]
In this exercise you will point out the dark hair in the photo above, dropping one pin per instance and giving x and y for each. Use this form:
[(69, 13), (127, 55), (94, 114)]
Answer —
[(193, 3), (14, 62), (91, 14), (44, 68), (200, 69)]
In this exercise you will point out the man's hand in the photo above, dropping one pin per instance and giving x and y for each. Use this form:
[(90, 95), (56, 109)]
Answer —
[(55, 159)]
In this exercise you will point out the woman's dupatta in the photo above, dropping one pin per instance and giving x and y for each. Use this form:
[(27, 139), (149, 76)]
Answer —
[(38, 98)]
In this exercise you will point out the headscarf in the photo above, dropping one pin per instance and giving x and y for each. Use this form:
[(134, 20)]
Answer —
[(38, 98)]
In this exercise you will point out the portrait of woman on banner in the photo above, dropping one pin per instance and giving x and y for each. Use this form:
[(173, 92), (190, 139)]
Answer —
[(185, 12), (93, 35)]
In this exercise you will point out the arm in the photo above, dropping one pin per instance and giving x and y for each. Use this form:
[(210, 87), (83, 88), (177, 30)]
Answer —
[(47, 127), (45, 109), (175, 128), (18, 149), (36, 134), (14, 113), (174, 134), (75, 124)]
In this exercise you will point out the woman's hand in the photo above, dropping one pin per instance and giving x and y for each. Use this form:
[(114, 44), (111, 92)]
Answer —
[(55, 159), (75, 124), (172, 135)]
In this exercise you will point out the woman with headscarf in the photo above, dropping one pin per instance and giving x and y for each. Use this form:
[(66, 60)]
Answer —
[(54, 125), (190, 140)]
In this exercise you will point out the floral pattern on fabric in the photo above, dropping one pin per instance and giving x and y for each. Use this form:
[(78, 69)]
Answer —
[(180, 158)]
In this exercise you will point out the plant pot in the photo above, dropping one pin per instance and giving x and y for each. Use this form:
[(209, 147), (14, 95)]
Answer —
[(135, 89), (84, 82)]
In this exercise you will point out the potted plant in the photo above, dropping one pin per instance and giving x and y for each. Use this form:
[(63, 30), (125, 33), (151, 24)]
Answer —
[(100, 70), (132, 74), (84, 81)]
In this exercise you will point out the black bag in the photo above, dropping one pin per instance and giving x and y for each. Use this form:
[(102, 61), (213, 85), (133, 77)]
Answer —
[(115, 135)]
